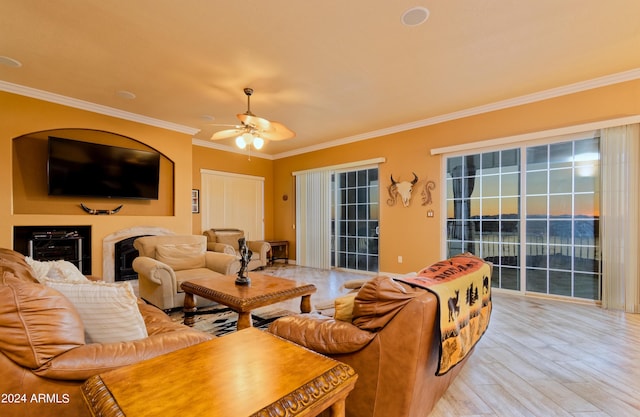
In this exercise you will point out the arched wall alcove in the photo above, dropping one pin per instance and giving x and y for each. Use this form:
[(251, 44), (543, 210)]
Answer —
[(29, 177)]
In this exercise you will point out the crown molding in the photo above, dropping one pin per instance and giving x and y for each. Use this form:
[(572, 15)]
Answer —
[(499, 105), (617, 78), (92, 107), (227, 148), (590, 128)]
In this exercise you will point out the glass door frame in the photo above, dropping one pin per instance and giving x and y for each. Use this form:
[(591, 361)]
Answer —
[(354, 239), (523, 218)]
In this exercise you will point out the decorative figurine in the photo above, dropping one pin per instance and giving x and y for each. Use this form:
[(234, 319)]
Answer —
[(245, 257)]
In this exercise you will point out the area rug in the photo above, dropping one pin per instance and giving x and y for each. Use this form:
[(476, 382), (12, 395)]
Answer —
[(219, 320)]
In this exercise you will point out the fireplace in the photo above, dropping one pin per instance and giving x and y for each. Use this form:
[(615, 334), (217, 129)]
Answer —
[(117, 266), (124, 254)]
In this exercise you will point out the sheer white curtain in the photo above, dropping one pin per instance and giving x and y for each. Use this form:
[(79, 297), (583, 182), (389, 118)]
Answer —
[(620, 157), (313, 219)]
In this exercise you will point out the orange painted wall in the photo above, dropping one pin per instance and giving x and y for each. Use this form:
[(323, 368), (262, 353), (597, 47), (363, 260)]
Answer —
[(21, 115), (408, 232), (30, 195), (404, 231)]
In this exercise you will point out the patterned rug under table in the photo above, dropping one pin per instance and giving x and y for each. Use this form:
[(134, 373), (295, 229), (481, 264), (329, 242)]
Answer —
[(219, 320)]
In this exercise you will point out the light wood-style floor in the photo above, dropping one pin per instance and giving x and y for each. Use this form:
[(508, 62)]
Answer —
[(539, 357)]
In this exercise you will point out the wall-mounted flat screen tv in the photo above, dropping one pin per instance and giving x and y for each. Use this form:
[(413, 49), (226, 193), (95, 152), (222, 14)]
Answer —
[(85, 169)]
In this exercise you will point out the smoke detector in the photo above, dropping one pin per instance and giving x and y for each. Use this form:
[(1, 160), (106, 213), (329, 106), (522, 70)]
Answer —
[(415, 16)]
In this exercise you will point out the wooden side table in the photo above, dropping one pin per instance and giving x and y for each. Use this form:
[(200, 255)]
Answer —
[(247, 373), (279, 250)]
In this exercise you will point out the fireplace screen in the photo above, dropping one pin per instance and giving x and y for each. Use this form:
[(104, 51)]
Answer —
[(125, 253)]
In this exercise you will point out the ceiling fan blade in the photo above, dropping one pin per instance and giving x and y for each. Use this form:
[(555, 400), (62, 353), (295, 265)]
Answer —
[(277, 131), (257, 122), (256, 126), (237, 126), (226, 134)]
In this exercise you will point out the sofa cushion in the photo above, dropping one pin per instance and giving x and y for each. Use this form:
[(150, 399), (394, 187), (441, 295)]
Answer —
[(378, 301), (40, 269), (66, 271), (182, 256), (229, 238), (189, 274), (38, 322), (109, 311), (57, 270), (344, 307)]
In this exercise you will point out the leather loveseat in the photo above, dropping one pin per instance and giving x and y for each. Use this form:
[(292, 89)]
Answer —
[(391, 338), (44, 356)]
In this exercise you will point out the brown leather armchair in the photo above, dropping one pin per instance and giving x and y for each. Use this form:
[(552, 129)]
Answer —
[(392, 343), (43, 354)]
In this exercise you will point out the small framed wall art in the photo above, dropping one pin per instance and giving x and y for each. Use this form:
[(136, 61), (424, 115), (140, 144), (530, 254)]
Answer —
[(195, 201)]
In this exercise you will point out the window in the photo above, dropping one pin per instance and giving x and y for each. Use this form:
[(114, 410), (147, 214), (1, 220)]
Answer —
[(483, 200), (552, 206), (562, 206)]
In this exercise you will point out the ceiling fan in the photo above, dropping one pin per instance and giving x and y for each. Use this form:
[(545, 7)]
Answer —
[(254, 130)]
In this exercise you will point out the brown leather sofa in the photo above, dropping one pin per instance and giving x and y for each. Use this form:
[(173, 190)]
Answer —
[(392, 342), (43, 355)]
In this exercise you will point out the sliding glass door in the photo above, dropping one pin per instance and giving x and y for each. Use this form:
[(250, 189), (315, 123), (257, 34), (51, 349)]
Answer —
[(562, 222), (337, 214), (354, 222), (483, 211), (538, 225)]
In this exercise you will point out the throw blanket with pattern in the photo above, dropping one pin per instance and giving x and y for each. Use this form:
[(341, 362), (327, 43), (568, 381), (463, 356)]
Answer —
[(463, 287)]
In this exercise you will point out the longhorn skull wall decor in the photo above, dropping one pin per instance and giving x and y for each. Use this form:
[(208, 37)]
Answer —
[(401, 190)]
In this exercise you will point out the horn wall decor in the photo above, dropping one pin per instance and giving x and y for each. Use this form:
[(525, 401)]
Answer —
[(401, 190), (426, 193), (94, 211)]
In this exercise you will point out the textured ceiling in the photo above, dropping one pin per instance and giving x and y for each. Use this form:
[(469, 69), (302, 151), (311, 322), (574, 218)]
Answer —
[(329, 70)]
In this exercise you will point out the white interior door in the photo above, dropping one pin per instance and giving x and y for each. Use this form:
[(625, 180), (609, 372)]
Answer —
[(233, 201)]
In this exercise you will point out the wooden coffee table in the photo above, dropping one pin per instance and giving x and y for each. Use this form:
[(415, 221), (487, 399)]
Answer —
[(264, 290), (246, 373)]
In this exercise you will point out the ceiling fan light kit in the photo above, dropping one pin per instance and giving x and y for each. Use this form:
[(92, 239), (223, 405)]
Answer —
[(254, 130), (247, 139)]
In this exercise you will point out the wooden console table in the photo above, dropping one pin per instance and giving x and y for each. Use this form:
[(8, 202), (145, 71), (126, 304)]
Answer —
[(247, 373), (279, 250)]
